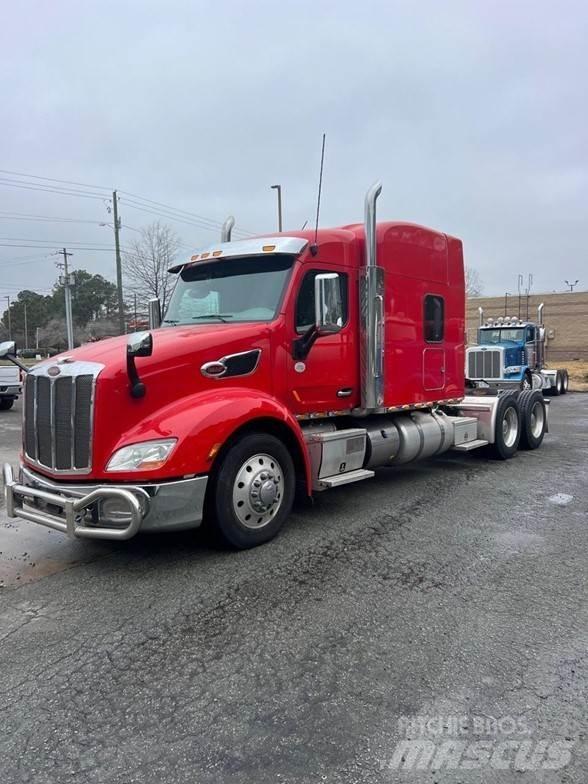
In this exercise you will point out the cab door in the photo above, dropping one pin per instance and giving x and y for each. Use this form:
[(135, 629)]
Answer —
[(326, 379), (434, 348)]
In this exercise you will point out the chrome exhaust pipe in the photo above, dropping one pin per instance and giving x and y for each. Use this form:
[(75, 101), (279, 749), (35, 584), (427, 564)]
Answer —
[(227, 229), (371, 292), (481, 314), (540, 313)]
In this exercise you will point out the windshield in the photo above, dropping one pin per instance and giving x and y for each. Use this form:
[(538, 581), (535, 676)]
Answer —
[(229, 290), (502, 335)]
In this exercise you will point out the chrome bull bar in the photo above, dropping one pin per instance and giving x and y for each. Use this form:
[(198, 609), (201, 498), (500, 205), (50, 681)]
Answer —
[(16, 494)]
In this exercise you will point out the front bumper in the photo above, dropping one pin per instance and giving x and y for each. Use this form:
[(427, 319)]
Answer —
[(104, 511)]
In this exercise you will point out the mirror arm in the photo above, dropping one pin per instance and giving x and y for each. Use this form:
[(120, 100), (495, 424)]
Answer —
[(302, 345), (18, 363), (137, 387)]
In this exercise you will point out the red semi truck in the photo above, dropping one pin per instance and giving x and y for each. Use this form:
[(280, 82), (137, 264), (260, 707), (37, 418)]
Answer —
[(304, 358)]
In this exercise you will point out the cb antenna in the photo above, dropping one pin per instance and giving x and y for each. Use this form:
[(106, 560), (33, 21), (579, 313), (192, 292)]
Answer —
[(314, 246)]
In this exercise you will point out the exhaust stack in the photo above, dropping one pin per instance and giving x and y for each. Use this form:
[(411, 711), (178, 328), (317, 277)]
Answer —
[(371, 304), (227, 229), (481, 313), (540, 313)]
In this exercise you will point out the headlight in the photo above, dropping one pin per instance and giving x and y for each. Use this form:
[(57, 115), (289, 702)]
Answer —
[(512, 369), (141, 457)]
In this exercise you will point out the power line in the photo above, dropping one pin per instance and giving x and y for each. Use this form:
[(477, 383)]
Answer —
[(63, 192), (192, 215), (52, 179)]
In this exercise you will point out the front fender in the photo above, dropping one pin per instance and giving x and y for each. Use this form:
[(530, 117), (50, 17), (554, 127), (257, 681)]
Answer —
[(204, 421)]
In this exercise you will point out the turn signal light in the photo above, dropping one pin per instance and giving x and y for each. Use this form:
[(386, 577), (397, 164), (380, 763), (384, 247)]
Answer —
[(268, 248)]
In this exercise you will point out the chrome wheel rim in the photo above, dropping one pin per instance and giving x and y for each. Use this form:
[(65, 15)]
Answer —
[(537, 420), (258, 491), (510, 426)]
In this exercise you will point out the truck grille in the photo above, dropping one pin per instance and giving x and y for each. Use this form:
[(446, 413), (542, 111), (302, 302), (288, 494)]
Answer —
[(58, 416), (485, 363)]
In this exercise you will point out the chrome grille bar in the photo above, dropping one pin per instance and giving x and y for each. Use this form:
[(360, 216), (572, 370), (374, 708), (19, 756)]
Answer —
[(59, 415)]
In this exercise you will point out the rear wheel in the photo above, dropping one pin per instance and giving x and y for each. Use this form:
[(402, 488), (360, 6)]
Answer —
[(533, 419), (253, 490), (6, 403), (556, 388), (507, 431)]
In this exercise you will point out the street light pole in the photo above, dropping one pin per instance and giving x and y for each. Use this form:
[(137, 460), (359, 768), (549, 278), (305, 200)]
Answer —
[(571, 285), (9, 319), (278, 188)]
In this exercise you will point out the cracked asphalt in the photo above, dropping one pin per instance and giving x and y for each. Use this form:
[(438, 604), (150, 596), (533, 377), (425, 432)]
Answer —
[(448, 590)]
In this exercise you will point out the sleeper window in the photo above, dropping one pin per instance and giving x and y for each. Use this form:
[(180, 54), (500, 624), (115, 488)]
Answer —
[(434, 317)]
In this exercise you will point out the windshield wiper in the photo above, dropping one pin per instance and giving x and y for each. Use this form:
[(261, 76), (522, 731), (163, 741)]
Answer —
[(170, 321), (223, 317)]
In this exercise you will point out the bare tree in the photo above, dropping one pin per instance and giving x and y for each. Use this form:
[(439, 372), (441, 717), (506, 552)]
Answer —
[(474, 285), (147, 261)]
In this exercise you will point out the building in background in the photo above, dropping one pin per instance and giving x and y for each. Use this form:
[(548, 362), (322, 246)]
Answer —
[(565, 317)]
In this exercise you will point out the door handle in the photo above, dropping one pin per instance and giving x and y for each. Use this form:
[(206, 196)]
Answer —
[(346, 392)]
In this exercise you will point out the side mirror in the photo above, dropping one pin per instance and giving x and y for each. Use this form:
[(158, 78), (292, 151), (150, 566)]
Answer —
[(140, 344), (154, 313), (7, 349), (328, 303)]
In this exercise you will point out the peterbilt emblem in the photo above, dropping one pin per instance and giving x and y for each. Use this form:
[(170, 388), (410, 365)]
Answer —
[(213, 369), (53, 371)]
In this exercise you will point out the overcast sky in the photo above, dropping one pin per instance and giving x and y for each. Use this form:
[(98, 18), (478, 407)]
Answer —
[(473, 114)]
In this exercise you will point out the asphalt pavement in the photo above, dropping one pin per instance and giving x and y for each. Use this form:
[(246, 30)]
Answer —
[(443, 604)]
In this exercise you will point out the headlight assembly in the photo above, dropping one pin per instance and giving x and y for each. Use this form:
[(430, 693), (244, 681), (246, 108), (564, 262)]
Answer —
[(146, 456)]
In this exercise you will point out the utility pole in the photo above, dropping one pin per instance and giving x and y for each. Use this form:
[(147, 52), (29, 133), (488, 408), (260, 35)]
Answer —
[(278, 188), (26, 326), (9, 319), (506, 293), (135, 305), (67, 280), (37, 338), (119, 285)]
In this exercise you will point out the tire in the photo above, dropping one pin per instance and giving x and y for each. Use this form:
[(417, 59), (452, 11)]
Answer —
[(253, 491), (565, 382), (533, 419), (527, 382), (556, 389), (507, 431), (6, 403)]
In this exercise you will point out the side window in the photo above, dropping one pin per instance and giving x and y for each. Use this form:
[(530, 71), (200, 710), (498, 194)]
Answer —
[(434, 318), (530, 333), (305, 301)]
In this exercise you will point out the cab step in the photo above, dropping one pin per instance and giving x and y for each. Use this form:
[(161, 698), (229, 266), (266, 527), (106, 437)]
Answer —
[(346, 478), (467, 446)]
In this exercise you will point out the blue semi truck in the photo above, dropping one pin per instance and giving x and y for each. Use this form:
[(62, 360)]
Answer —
[(511, 353)]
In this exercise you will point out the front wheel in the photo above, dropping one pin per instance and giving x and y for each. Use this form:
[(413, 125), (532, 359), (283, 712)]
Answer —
[(565, 381), (6, 403), (253, 490), (507, 432)]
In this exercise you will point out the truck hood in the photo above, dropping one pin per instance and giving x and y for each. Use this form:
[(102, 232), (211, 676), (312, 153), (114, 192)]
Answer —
[(170, 374), (173, 348)]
